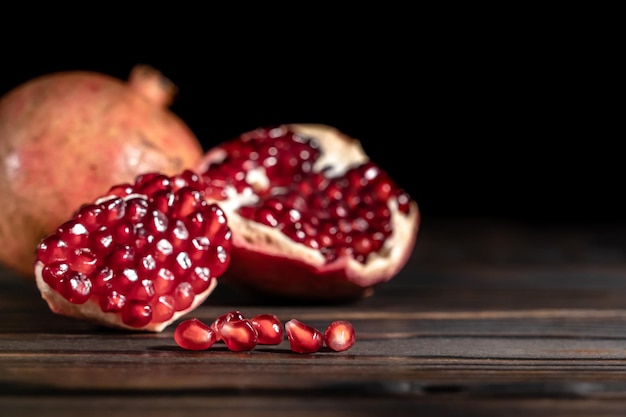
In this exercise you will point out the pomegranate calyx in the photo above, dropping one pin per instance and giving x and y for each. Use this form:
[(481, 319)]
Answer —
[(153, 85)]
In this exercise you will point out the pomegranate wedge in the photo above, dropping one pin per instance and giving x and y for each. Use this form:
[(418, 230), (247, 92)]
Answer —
[(139, 257), (311, 216)]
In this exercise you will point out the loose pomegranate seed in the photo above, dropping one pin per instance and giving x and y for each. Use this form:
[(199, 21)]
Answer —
[(192, 334), (239, 335), (218, 323), (302, 337), (145, 252), (339, 335), (269, 329)]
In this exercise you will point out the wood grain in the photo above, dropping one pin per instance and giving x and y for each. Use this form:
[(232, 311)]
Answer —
[(488, 318)]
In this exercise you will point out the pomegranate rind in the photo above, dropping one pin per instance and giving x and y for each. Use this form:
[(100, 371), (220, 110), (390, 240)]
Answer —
[(65, 136), (264, 260), (91, 311)]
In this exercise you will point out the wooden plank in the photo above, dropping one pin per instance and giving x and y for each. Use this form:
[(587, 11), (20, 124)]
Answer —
[(483, 317)]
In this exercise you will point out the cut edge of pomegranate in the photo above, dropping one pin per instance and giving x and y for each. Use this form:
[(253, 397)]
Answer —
[(90, 311)]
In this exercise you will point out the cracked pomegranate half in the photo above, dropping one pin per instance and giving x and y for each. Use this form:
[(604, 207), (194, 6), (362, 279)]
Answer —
[(312, 217), (137, 258)]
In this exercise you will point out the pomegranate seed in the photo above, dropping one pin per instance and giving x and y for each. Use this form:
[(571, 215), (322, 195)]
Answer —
[(75, 287), (74, 233), (269, 329), (339, 336), (183, 296), (302, 337), (112, 302), (163, 308), (54, 273), (90, 216), (192, 334), (52, 249), (226, 317), (136, 313), (239, 335)]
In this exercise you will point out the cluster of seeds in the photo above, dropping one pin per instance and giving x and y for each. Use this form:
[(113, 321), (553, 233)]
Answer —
[(239, 333), (144, 250), (346, 215)]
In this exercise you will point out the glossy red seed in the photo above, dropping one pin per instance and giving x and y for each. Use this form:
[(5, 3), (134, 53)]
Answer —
[(53, 273), (90, 215), (83, 260), (200, 279), (226, 317), (164, 281), (75, 287), (302, 337), (137, 313), (163, 308), (239, 335), (52, 249), (74, 233), (183, 296), (339, 335), (269, 329), (193, 334), (112, 301)]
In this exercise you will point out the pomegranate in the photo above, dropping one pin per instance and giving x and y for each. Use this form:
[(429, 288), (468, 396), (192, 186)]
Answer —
[(311, 216), (138, 257), (64, 137)]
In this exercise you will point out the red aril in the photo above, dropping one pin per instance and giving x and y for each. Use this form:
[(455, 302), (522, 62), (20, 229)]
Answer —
[(312, 217), (66, 136), (218, 323), (302, 337), (124, 260), (239, 335), (192, 334), (339, 335), (269, 329)]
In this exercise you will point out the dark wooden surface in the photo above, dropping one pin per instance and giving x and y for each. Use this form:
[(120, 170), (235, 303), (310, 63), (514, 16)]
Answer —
[(488, 318)]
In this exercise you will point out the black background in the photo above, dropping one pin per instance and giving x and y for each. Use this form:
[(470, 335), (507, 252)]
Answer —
[(507, 115)]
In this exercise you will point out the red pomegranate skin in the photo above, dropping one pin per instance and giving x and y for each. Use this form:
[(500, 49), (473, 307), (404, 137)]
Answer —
[(66, 136)]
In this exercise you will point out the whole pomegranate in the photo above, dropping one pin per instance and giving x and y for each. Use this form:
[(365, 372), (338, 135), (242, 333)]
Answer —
[(66, 136), (311, 215)]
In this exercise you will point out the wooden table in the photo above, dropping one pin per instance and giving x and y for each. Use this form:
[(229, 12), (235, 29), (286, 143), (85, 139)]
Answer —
[(488, 318)]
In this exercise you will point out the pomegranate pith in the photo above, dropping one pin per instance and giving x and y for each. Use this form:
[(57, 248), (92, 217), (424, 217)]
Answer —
[(129, 259), (311, 215)]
